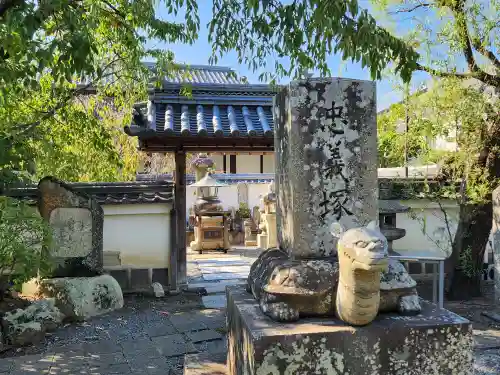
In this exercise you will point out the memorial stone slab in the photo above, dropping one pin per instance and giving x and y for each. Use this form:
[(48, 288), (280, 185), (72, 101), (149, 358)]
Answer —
[(77, 225), (326, 162)]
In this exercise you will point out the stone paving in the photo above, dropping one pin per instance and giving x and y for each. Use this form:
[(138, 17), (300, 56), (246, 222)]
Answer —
[(151, 336), (213, 271), (147, 336)]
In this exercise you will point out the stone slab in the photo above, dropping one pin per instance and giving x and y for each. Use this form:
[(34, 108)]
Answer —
[(204, 335), (227, 269), (436, 341), (225, 276), (326, 162), (220, 287), (213, 347), (223, 262), (217, 301), (205, 364), (77, 221), (487, 362), (172, 345)]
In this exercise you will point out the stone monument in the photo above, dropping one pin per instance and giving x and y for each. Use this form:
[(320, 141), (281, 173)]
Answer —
[(77, 225), (268, 236), (331, 272)]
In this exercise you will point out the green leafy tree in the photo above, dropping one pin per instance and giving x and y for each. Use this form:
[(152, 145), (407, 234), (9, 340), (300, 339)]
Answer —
[(462, 112), (396, 144), (459, 40), (24, 240)]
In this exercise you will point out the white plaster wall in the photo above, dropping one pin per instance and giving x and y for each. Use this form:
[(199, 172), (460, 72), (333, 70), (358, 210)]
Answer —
[(140, 232), (228, 196), (247, 163), (219, 162), (426, 227), (269, 163), (254, 193)]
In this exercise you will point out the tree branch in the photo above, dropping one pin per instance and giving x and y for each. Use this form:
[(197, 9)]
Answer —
[(479, 74), (487, 53), (463, 33), (409, 10)]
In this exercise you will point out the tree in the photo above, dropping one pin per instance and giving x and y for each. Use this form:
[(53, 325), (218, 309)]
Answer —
[(453, 108), (459, 39), (396, 143)]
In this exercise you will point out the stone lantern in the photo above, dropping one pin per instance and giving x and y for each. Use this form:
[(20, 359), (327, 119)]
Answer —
[(211, 229), (388, 209)]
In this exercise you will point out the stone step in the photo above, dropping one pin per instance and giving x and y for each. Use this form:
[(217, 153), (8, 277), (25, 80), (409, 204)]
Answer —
[(205, 364)]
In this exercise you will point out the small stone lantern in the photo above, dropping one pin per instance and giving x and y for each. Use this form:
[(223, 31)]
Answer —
[(211, 229), (387, 218)]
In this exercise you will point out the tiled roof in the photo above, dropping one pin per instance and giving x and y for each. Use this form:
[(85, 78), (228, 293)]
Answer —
[(216, 75), (221, 111), (211, 120), (249, 178), (110, 192)]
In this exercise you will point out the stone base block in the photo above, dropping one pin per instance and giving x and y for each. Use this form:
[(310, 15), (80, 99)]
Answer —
[(435, 342)]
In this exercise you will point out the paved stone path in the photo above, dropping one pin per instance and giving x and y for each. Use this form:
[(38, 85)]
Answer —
[(213, 271), (145, 337)]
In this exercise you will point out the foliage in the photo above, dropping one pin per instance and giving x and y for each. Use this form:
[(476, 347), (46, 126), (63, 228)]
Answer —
[(394, 140), (455, 38), (300, 35), (53, 55), (243, 211), (463, 112), (24, 241), (83, 141)]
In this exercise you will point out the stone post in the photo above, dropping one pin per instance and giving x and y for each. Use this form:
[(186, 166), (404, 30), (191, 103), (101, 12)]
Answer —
[(326, 162)]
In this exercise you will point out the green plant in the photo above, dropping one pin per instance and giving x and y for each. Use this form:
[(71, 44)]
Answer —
[(243, 211), (24, 242)]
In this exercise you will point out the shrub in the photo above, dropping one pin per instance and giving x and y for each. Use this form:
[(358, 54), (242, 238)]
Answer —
[(24, 242), (243, 211)]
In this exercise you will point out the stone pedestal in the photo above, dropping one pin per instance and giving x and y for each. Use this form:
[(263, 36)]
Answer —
[(435, 342)]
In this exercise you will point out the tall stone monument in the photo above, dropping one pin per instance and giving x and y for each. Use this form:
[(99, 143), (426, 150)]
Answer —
[(331, 273), (77, 224)]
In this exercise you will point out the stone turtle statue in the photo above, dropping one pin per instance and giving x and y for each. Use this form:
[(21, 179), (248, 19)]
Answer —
[(355, 287)]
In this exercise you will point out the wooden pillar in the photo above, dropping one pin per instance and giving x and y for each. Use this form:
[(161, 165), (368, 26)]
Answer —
[(180, 218), (172, 272)]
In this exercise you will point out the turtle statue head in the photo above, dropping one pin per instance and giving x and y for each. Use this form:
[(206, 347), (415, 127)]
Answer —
[(365, 247)]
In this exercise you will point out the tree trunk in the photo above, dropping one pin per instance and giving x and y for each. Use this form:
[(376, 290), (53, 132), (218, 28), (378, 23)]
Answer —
[(466, 261)]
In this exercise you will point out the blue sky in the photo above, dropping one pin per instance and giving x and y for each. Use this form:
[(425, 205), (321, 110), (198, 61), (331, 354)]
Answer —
[(199, 53)]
